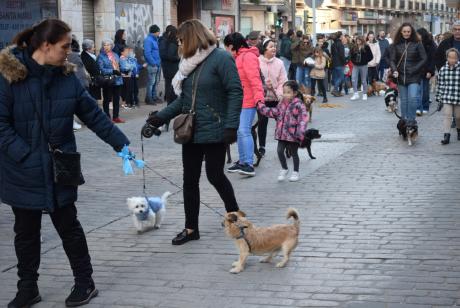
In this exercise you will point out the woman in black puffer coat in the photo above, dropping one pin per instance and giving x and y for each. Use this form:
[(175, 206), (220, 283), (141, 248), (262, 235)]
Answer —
[(39, 96), (428, 71), (407, 58)]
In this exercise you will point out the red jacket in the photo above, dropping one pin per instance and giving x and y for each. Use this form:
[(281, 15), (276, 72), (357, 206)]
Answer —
[(247, 63)]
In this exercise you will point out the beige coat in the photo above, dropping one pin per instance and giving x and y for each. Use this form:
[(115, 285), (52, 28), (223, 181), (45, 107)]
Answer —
[(318, 72)]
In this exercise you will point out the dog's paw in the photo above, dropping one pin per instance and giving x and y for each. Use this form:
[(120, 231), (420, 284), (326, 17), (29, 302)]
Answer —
[(280, 264), (236, 270)]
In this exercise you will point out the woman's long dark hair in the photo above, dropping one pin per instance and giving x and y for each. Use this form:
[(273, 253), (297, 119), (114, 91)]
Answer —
[(399, 38), (49, 30), (119, 37), (237, 40), (426, 37), (294, 86), (170, 33)]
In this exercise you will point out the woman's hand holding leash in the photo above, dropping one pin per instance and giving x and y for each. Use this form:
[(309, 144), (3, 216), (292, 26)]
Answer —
[(127, 156)]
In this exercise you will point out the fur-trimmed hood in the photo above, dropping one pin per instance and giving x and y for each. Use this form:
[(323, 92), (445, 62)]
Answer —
[(13, 68)]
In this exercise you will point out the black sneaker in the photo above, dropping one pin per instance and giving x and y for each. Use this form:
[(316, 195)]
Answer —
[(184, 237), (25, 298), (262, 151), (235, 168), (81, 295), (247, 170)]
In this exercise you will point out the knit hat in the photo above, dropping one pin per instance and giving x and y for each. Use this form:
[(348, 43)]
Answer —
[(154, 29)]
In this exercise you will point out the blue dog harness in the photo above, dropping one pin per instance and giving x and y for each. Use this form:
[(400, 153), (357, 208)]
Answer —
[(154, 203)]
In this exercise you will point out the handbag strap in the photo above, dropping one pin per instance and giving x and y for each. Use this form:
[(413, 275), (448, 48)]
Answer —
[(40, 119), (195, 79), (402, 56)]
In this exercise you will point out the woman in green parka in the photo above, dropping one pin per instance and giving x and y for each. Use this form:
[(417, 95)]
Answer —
[(219, 97)]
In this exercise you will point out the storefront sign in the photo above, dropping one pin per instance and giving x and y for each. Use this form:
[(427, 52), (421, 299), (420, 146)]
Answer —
[(16, 15)]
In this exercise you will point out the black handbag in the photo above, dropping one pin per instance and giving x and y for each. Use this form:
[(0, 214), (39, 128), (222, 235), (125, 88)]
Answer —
[(104, 80), (66, 165)]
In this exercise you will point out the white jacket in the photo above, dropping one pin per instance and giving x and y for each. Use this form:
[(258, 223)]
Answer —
[(375, 48)]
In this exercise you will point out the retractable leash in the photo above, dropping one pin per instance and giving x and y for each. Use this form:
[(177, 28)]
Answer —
[(164, 178)]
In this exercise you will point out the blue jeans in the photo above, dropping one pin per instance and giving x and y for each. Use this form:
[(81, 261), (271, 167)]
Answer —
[(338, 74), (423, 101), (302, 75), (408, 96), (287, 64), (153, 79), (245, 141)]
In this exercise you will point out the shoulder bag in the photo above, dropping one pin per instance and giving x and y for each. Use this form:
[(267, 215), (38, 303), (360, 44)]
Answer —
[(184, 123), (66, 165)]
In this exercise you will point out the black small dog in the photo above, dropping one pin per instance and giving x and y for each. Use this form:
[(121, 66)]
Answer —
[(402, 128), (310, 134), (407, 129)]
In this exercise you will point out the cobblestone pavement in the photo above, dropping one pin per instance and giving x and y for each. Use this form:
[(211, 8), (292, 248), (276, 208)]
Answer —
[(380, 224)]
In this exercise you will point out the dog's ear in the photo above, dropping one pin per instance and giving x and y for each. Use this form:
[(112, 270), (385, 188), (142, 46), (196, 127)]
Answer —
[(313, 99), (232, 217)]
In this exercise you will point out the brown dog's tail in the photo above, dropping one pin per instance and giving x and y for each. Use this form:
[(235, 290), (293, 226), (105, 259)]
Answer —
[(291, 212)]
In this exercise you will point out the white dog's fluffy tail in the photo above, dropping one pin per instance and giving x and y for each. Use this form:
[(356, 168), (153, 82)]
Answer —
[(291, 212), (164, 197)]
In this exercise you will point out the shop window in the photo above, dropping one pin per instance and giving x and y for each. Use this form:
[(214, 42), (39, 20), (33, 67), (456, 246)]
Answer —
[(246, 25)]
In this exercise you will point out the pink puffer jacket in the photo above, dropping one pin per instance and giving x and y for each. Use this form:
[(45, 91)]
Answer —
[(291, 119), (247, 63), (273, 71)]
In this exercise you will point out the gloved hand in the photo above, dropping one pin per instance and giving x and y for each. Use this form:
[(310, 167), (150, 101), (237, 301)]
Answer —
[(230, 135), (117, 72), (440, 105), (154, 120)]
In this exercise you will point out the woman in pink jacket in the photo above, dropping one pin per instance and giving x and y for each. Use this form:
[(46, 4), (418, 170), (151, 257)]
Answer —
[(275, 76), (247, 63)]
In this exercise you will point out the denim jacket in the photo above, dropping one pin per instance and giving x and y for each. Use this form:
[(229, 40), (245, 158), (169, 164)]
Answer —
[(106, 66)]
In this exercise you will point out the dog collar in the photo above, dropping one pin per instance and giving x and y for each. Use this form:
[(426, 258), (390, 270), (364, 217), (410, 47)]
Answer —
[(243, 236)]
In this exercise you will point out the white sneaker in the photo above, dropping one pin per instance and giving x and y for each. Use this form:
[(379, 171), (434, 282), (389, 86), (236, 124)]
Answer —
[(418, 112), (351, 91), (76, 126), (294, 177), (364, 97), (355, 97), (425, 111), (282, 175)]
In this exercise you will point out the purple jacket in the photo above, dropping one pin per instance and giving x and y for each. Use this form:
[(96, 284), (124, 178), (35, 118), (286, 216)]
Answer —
[(291, 119)]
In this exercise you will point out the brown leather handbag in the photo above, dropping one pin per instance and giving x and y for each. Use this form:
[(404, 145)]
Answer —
[(184, 123)]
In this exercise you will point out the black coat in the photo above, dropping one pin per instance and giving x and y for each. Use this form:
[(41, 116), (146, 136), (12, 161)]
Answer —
[(429, 67), (169, 57), (93, 70), (440, 55), (28, 89), (411, 64), (338, 54), (361, 56)]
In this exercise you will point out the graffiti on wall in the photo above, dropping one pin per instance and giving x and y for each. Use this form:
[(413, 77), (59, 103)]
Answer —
[(135, 19)]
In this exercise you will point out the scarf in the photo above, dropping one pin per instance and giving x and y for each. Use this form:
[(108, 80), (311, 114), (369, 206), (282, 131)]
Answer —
[(187, 65)]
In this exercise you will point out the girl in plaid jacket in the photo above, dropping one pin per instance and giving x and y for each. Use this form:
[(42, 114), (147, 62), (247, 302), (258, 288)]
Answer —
[(448, 92), (291, 123)]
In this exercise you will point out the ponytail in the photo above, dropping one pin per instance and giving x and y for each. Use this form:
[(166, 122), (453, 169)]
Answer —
[(48, 30), (294, 86)]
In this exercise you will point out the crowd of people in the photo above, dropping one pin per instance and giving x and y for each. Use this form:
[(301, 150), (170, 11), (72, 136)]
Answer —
[(225, 86)]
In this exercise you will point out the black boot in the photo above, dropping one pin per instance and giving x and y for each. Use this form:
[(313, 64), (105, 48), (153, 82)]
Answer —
[(458, 133), (25, 298), (446, 139)]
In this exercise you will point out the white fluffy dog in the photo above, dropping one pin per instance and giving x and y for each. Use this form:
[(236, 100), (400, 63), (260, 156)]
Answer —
[(148, 212)]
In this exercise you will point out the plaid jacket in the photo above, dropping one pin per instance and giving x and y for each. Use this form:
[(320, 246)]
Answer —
[(448, 91)]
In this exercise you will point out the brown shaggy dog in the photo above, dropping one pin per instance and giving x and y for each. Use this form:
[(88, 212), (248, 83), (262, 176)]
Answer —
[(375, 88), (308, 99), (261, 240)]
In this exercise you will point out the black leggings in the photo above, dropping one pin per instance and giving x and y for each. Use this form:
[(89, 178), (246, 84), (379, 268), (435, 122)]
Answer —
[(321, 87), (27, 225), (214, 157), (263, 122), (293, 149), (372, 74), (111, 94)]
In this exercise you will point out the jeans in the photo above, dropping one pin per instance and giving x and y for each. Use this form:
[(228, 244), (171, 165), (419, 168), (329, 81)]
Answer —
[(302, 75), (111, 94), (359, 70), (408, 96), (423, 102), (153, 79), (245, 141), (287, 64), (192, 159), (293, 147), (338, 73), (27, 225)]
